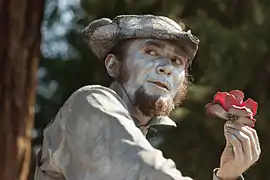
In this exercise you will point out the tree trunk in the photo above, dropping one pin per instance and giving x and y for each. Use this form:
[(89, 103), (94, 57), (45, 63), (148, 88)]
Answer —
[(20, 36)]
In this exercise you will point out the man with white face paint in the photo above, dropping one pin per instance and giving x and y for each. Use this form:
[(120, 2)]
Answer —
[(99, 133)]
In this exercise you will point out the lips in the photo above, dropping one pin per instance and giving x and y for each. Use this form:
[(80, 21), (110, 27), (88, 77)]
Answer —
[(160, 84)]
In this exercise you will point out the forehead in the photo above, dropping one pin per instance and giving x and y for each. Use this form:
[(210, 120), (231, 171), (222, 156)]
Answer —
[(165, 45)]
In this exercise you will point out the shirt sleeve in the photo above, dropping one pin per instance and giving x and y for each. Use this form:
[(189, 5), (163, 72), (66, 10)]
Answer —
[(101, 141), (216, 178)]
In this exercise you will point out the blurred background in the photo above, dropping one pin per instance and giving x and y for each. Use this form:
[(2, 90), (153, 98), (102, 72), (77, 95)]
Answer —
[(234, 53)]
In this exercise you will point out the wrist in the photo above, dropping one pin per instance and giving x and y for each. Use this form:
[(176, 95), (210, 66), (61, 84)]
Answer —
[(225, 176)]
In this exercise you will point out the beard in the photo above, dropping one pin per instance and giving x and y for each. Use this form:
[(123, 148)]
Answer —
[(156, 105), (153, 105)]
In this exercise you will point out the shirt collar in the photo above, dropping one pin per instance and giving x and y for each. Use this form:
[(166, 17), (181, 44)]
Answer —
[(157, 121), (162, 120)]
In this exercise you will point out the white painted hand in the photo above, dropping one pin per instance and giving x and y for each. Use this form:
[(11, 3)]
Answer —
[(242, 150)]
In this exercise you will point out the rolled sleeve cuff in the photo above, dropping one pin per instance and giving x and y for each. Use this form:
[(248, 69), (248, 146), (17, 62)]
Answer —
[(217, 178)]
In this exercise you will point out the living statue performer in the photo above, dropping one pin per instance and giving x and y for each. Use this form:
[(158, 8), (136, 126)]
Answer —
[(100, 132)]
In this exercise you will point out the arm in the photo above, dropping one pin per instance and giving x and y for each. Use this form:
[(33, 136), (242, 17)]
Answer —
[(93, 136), (99, 140)]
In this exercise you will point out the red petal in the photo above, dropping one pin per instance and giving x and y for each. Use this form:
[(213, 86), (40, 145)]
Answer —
[(225, 99), (252, 105), (239, 95)]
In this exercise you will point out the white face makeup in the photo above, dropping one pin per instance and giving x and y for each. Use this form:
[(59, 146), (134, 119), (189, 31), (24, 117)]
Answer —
[(157, 66), (152, 73)]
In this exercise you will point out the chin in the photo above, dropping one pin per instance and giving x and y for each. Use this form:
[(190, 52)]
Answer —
[(154, 103)]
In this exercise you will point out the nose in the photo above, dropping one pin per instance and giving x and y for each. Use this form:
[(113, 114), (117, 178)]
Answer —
[(164, 69)]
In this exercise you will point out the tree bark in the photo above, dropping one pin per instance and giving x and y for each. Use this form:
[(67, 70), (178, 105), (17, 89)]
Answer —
[(20, 36)]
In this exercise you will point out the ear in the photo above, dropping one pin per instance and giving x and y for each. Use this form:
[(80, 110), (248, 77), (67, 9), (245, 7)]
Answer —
[(112, 65)]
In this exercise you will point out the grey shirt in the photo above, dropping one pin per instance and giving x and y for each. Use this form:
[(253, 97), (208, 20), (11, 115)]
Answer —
[(94, 137)]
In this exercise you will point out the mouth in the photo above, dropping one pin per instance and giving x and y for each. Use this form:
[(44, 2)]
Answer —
[(160, 84)]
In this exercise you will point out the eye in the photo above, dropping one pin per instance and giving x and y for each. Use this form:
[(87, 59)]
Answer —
[(151, 52), (177, 60)]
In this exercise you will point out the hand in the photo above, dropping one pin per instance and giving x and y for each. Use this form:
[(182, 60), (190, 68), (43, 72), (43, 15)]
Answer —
[(242, 150)]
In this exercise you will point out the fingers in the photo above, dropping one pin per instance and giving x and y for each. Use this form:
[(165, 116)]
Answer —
[(243, 146), (247, 132), (236, 144), (248, 139), (256, 142)]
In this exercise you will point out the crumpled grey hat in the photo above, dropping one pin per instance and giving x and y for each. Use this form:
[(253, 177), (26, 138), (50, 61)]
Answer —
[(103, 34)]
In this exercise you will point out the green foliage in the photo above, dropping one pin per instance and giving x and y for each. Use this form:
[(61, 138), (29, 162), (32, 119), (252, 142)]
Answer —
[(234, 53)]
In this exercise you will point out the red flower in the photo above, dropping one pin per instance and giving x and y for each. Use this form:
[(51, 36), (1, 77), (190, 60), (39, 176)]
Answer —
[(234, 99)]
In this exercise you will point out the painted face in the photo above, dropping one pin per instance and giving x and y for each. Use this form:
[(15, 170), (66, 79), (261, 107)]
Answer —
[(153, 72)]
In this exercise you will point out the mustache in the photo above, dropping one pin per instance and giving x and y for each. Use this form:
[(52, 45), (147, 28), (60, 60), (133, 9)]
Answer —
[(164, 83)]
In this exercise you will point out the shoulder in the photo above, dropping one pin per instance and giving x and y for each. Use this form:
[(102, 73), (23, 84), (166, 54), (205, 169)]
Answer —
[(98, 97), (92, 109)]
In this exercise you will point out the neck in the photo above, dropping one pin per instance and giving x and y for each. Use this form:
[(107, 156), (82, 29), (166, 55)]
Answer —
[(129, 101)]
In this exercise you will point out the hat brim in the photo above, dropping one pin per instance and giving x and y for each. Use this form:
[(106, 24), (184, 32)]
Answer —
[(102, 35)]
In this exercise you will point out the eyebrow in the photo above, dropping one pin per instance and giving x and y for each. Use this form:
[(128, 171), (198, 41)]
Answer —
[(155, 44), (177, 51)]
